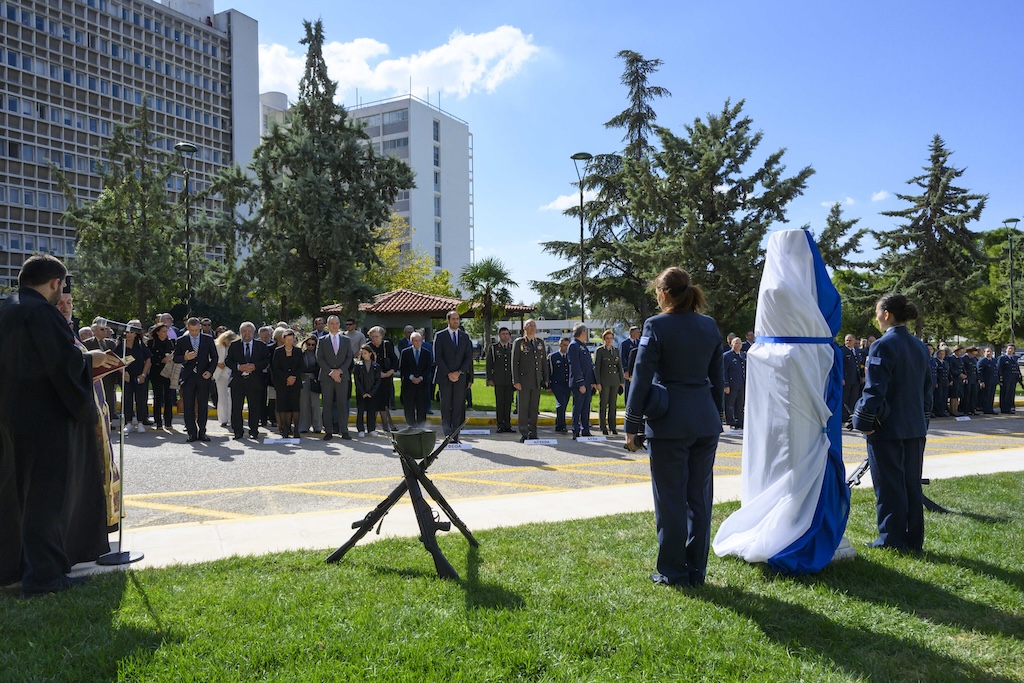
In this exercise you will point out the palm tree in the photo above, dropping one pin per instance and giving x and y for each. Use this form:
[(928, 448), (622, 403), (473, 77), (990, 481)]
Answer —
[(487, 283)]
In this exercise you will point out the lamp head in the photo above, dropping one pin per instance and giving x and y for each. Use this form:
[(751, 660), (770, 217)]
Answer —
[(185, 148), (1011, 223), (582, 156)]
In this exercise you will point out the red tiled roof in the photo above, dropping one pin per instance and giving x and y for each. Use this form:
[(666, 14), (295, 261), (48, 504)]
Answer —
[(419, 303)]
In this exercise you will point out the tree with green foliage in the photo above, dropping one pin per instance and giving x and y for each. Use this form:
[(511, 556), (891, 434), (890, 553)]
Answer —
[(558, 307), (128, 243), (321, 190), (402, 267), (487, 283), (933, 256), (722, 206), (835, 252), (625, 209)]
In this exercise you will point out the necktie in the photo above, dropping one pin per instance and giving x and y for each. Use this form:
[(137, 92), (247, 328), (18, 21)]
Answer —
[(334, 342), (195, 344), (455, 339), (416, 355), (248, 350)]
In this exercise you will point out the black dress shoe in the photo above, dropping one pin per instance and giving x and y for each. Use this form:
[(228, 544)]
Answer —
[(605, 432), (238, 437), (255, 435), (660, 579), (456, 440), (586, 433), (522, 439), (328, 436), (204, 437), (346, 436), (575, 436), (191, 438), (59, 585), (615, 431)]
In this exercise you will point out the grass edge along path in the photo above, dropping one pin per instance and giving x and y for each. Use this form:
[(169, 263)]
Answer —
[(553, 602)]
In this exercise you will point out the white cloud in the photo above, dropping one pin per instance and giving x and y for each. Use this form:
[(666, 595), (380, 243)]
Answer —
[(846, 202), (566, 201), (467, 63), (880, 196)]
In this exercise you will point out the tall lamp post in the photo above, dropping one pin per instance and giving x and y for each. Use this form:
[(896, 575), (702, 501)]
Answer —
[(1011, 227), (576, 159), (187, 151)]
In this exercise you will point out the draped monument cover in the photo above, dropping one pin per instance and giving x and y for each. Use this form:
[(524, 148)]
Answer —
[(795, 501)]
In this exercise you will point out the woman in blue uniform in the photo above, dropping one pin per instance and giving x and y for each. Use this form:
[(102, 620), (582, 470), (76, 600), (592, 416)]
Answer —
[(1009, 377), (893, 414), (680, 350), (941, 395)]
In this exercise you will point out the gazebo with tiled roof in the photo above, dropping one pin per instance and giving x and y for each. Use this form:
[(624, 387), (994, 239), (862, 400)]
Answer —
[(402, 307)]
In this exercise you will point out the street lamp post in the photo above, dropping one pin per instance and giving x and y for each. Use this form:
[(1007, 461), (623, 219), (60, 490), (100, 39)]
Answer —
[(1011, 227), (576, 158), (187, 151)]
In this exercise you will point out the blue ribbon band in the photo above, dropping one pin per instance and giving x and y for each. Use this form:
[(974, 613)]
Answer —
[(793, 340)]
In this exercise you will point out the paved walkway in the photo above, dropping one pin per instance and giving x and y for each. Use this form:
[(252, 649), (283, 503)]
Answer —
[(200, 542)]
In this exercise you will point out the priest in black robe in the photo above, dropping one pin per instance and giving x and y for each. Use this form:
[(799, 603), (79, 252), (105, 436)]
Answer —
[(52, 512)]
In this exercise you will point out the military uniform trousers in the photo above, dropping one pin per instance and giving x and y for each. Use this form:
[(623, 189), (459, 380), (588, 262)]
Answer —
[(896, 466), (503, 394), (609, 406), (529, 409)]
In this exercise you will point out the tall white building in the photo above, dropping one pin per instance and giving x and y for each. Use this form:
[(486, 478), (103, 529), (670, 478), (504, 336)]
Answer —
[(439, 148), (70, 70)]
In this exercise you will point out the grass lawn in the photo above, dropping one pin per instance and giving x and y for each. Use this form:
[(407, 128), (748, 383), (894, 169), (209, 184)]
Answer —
[(483, 399), (553, 602)]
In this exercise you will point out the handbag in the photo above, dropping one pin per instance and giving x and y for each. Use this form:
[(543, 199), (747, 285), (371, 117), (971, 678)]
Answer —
[(171, 371)]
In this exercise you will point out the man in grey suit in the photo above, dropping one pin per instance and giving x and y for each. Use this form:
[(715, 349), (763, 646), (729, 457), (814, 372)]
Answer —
[(529, 376), (453, 355), (334, 356)]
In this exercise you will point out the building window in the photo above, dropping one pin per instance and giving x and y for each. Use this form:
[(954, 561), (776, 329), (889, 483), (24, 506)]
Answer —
[(437, 231), (396, 116), (437, 131), (437, 257), (437, 181), (437, 207), (437, 155), (395, 144)]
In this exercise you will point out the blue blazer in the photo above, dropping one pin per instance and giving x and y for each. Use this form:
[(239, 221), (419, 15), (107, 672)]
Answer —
[(897, 398), (683, 352), (558, 369), (448, 357), (581, 365), (987, 370), (735, 365)]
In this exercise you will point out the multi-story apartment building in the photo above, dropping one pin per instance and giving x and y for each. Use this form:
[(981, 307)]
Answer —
[(439, 148), (70, 70)]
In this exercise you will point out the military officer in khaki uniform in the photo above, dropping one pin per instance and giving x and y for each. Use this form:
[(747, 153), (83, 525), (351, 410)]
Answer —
[(499, 375), (529, 376), (608, 366)]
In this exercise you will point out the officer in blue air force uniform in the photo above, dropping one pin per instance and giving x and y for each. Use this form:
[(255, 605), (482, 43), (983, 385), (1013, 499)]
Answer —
[(679, 360), (558, 373), (893, 413), (735, 363)]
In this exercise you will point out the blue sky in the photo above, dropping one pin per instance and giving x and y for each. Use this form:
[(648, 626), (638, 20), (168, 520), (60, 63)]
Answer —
[(854, 89)]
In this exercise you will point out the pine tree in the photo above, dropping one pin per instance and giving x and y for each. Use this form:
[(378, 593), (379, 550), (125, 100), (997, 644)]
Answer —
[(834, 251), (721, 208), (128, 242), (321, 189), (932, 256)]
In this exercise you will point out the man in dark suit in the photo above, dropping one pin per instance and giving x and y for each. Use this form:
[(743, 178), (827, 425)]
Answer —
[(334, 356), (414, 369), (734, 361), (582, 380), (101, 341), (198, 355), (1009, 378), (529, 376), (247, 358), (851, 375), (499, 375), (624, 350), (453, 355), (558, 380)]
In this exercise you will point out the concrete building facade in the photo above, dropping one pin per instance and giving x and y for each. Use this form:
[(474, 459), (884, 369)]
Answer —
[(439, 148), (71, 70)]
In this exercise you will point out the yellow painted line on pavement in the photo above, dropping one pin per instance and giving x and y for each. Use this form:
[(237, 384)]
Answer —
[(187, 510), (622, 475), (261, 487), (489, 482), (324, 492)]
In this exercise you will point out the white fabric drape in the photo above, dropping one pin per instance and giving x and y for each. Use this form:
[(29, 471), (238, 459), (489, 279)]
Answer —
[(785, 444)]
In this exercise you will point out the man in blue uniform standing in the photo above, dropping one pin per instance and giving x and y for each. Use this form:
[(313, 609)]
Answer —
[(582, 380), (988, 376), (1009, 378), (851, 375), (971, 388), (625, 348), (558, 374), (735, 363)]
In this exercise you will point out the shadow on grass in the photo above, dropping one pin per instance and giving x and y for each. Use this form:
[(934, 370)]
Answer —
[(1009, 577), (75, 635), (922, 599), (486, 595), (816, 637)]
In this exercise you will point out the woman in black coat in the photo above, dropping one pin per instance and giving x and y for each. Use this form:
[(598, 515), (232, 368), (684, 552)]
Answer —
[(165, 395), (286, 368), (369, 392)]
